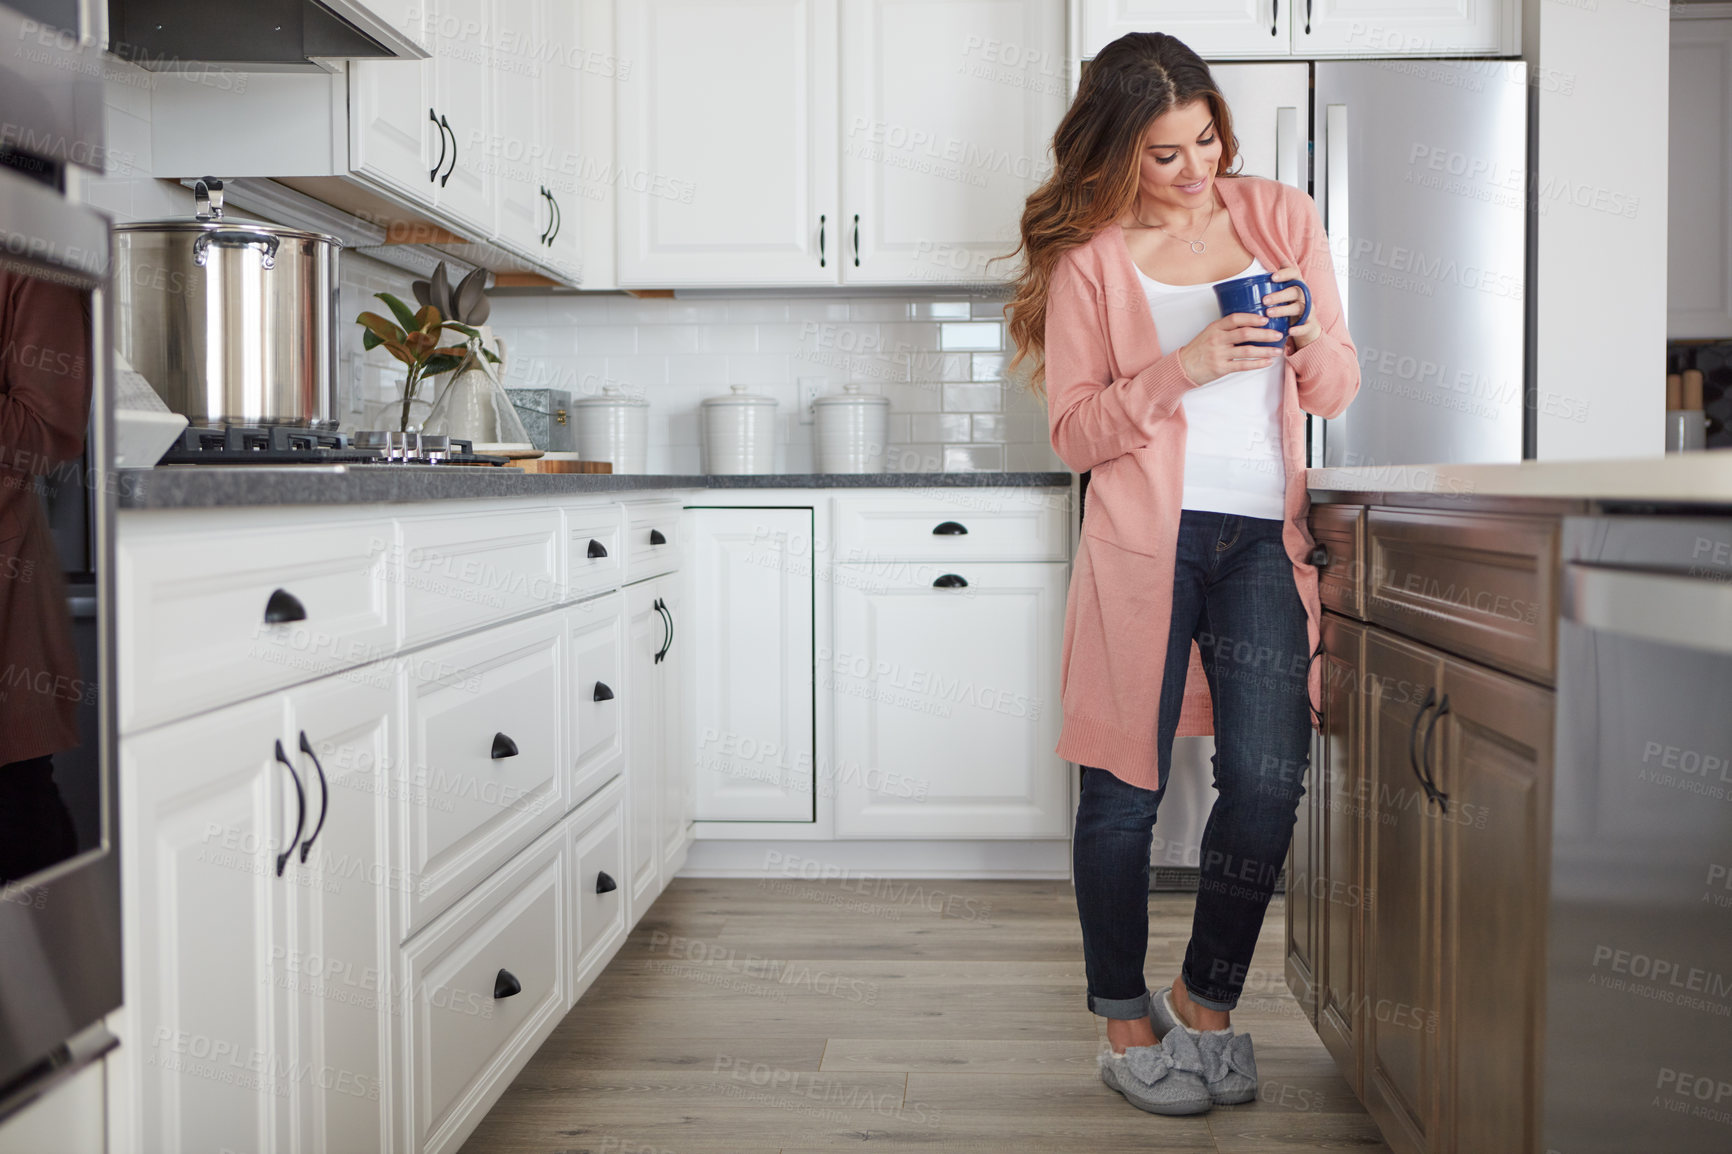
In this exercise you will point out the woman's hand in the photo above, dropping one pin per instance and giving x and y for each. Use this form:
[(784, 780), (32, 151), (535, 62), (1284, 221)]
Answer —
[(1214, 352), (1290, 302)]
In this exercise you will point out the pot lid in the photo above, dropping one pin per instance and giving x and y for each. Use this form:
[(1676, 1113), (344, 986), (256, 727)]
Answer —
[(228, 224), (737, 395), (851, 395), (613, 395)]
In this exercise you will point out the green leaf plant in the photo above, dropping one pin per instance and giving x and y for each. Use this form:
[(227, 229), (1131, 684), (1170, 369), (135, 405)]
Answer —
[(414, 340)]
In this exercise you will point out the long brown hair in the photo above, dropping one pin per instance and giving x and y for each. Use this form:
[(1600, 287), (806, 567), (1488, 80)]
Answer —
[(1097, 154)]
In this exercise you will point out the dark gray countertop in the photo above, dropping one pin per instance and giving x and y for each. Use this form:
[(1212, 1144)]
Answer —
[(213, 486)]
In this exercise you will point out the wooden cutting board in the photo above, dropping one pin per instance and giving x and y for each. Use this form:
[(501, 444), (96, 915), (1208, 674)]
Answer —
[(559, 465)]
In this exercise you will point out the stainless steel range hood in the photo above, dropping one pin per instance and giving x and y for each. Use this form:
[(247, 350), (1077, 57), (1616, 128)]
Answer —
[(253, 35)]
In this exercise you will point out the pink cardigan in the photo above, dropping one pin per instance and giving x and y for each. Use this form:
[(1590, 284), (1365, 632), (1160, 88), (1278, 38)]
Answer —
[(1114, 408)]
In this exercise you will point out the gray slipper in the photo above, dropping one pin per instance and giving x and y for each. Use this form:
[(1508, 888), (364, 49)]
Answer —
[(1229, 1068), (1166, 1078)]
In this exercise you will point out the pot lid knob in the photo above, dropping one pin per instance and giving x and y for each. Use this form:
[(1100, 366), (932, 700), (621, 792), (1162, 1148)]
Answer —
[(207, 195)]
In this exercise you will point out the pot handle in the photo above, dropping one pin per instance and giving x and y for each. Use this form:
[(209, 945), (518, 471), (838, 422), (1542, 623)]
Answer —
[(235, 238)]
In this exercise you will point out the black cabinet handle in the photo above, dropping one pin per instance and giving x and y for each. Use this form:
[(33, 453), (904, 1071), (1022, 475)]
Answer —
[(440, 163), (548, 197), (1320, 555), (558, 218), (1413, 738), (1433, 793), (602, 692), (856, 240), (503, 747), (1317, 715), (1274, 16), (505, 985), (300, 809), (283, 607), (668, 616), (950, 529), (656, 537), (604, 884), (324, 797), (596, 549), (446, 125), (1307, 17), (820, 240), (950, 581)]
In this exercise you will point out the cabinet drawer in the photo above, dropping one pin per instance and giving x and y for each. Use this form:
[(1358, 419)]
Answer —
[(1483, 586), (973, 525), (652, 539), (1340, 582), (598, 691), (463, 1042), (594, 557), (487, 755), (213, 616), (461, 572), (598, 883)]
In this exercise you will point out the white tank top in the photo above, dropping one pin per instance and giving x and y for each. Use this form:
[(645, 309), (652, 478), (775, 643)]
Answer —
[(1233, 423)]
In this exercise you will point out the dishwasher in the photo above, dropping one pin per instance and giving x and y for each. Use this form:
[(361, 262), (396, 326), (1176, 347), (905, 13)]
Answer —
[(1638, 1016)]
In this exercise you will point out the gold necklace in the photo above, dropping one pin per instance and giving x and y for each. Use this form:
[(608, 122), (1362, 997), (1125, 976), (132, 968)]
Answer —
[(1196, 245)]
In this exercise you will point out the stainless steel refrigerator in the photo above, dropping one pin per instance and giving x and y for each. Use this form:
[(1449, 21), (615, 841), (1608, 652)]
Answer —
[(1419, 169)]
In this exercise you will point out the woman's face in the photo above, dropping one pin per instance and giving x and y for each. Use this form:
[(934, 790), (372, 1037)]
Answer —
[(1180, 152)]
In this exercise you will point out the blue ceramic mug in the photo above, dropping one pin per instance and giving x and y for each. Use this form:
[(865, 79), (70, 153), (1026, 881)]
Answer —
[(1245, 295)]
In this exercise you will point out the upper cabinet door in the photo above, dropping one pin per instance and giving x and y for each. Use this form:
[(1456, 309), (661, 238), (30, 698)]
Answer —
[(394, 132), (463, 65), (948, 110), (727, 143), (559, 84), (1406, 27), (513, 150), (1213, 29)]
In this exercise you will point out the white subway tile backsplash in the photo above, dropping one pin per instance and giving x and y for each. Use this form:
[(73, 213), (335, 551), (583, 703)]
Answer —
[(987, 366), (939, 310), (968, 336), (942, 427), (976, 398)]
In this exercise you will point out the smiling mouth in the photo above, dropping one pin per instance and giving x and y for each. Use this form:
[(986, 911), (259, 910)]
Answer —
[(1194, 186)]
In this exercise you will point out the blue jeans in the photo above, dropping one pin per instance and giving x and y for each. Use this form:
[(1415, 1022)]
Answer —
[(1233, 591)]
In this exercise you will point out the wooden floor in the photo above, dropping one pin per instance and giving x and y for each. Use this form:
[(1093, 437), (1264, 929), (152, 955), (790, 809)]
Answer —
[(779, 1015)]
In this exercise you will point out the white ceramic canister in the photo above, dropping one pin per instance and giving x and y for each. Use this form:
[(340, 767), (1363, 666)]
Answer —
[(614, 427), (738, 432), (852, 431)]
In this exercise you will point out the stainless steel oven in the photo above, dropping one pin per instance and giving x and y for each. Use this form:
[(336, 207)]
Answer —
[(1638, 1021), (60, 962)]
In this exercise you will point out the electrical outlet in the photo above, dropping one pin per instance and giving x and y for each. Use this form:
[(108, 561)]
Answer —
[(810, 389)]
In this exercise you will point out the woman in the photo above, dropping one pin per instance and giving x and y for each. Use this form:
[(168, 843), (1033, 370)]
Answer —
[(1191, 426)]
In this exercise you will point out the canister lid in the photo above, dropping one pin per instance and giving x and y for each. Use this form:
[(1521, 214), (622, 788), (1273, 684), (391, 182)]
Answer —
[(851, 395), (737, 395), (612, 395)]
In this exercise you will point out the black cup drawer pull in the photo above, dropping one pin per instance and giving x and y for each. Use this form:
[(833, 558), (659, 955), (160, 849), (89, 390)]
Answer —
[(656, 537), (1320, 555), (503, 747), (284, 607), (950, 529), (604, 884), (950, 581), (596, 549), (602, 692), (506, 985)]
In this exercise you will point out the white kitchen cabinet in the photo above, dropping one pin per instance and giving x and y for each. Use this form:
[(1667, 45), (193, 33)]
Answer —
[(658, 760), (947, 113), (1406, 27), (727, 143), (1699, 188), (569, 161), (598, 692), (752, 648), (514, 149), (337, 965), (1255, 29), (206, 810), (394, 133), (1213, 29), (945, 682), (256, 890), (598, 892), (463, 67)]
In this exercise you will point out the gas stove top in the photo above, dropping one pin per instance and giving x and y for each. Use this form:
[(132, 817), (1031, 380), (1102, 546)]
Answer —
[(299, 445)]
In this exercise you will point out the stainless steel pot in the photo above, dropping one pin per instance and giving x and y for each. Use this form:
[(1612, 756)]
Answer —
[(232, 322)]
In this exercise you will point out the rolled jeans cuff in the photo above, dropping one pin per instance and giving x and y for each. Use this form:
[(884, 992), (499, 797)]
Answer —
[(1126, 1008)]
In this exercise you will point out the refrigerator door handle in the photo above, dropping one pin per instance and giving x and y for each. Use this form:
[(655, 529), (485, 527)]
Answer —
[(1288, 170), (1336, 154)]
